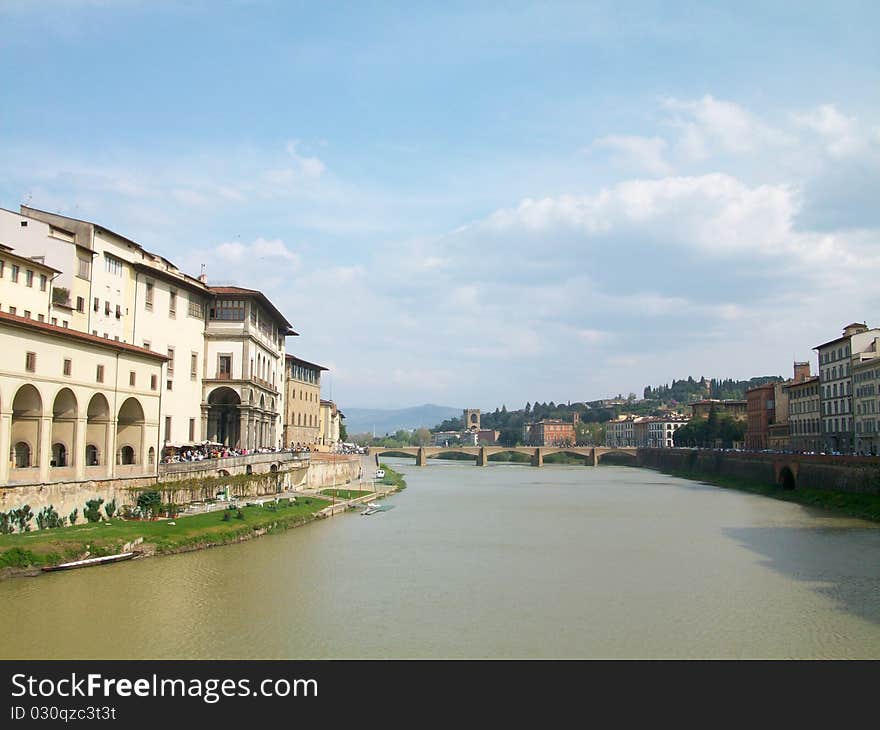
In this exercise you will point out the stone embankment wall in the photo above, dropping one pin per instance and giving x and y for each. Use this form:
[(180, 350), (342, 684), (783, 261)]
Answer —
[(322, 471), (833, 473)]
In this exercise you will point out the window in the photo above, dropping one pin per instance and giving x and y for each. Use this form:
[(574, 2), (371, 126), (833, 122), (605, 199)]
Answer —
[(106, 307), (148, 297), (167, 428), (172, 303), (231, 310), (171, 361), (95, 333), (80, 304), (96, 305), (65, 323), (67, 365), (224, 367), (85, 269), (146, 345), (118, 312), (12, 310), (15, 270), (99, 375), (27, 313), (196, 308), (193, 365), (29, 277), (30, 362), (131, 378), (154, 382), (2, 266), (192, 429), (41, 318), (43, 281), (112, 265)]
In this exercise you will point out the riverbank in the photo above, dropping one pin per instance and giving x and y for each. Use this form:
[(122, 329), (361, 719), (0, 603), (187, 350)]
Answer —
[(392, 478), (864, 506)]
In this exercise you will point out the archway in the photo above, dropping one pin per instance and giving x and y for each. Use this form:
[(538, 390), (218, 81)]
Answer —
[(97, 429), (22, 455), (129, 432), (64, 412), (126, 455), (223, 417), (27, 408), (617, 458), (787, 479)]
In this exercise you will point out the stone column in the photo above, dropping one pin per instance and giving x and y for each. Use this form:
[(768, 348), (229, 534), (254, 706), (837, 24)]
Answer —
[(244, 419), (421, 459), (143, 460), (5, 446), (538, 458), (204, 423), (110, 449), (79, 449), (45, 447), (594, 458), (482, 457)]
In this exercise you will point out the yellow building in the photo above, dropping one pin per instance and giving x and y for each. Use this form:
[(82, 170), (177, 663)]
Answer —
[(302, 402)]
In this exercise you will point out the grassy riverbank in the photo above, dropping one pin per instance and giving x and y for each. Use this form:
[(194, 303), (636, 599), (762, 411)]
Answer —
[(865, 506), (392, 478), (47, 547)]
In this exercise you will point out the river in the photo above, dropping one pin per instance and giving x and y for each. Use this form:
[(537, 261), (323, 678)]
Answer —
[(504, 561)]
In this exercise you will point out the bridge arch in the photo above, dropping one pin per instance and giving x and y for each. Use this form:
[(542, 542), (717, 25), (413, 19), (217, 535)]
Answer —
[(629, 456), (787, 478)]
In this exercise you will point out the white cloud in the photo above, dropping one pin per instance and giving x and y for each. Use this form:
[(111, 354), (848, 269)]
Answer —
[(841, 134), (260, 252)]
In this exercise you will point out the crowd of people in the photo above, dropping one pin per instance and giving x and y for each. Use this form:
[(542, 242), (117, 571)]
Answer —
[(218, 451)]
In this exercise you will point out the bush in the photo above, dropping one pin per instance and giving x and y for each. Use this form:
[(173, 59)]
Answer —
[(6, 525), (110, 508), (92, 511), (48, 518), (149, 503), (239, 515), (73, 517), (226, 515), (21, 517), (170, 509)]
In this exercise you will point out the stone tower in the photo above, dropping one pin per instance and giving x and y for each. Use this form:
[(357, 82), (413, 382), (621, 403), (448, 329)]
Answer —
[(472, 419)]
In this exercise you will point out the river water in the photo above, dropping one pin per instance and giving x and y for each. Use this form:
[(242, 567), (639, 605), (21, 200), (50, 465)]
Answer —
[(498, 561)]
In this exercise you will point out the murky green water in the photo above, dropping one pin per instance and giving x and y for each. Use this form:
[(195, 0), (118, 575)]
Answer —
[(500, 561)]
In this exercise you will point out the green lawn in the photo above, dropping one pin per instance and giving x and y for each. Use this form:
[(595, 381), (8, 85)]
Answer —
[(345, 493), (46, 547), (392, 478)]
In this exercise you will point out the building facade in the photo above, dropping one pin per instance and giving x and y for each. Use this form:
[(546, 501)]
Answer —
[(804, 414), (74, 406), (302, 402), (331, 422), (836, 386), (661, 431), (866, 397), (551, 432)]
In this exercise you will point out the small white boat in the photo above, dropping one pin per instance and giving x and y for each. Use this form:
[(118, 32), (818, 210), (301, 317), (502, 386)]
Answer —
[(103, 560), (369, 511), (380, 473)]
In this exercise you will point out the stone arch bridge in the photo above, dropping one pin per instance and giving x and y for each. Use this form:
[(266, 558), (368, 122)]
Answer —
[(591, 455)]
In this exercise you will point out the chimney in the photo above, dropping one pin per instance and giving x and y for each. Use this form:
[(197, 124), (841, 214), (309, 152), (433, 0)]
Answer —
[(801, 371), (204, 279)]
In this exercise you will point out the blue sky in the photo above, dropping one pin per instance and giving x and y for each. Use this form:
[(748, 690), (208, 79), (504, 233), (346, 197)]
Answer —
[(475, 203)]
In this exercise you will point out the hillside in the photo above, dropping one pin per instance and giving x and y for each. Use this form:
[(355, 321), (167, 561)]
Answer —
[(362, 420)]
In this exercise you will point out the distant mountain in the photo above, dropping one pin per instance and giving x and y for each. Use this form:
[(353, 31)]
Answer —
[(361, 420)]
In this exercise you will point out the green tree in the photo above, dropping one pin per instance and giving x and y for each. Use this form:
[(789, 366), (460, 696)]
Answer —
[(421, 437)]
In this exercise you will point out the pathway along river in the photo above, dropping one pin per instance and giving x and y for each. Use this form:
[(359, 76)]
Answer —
[(501, 561)]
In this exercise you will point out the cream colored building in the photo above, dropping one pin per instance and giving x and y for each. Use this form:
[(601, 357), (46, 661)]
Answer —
[(331, 419), (225, 345), (25, 286), (74, 406), (866, 399), (244, 369), (302, 402)]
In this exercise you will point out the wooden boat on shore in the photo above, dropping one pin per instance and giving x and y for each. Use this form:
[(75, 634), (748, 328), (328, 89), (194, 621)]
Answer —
[(88, 562)]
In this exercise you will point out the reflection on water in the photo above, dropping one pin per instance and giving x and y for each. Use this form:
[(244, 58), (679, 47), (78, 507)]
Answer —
[(499, 561)]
